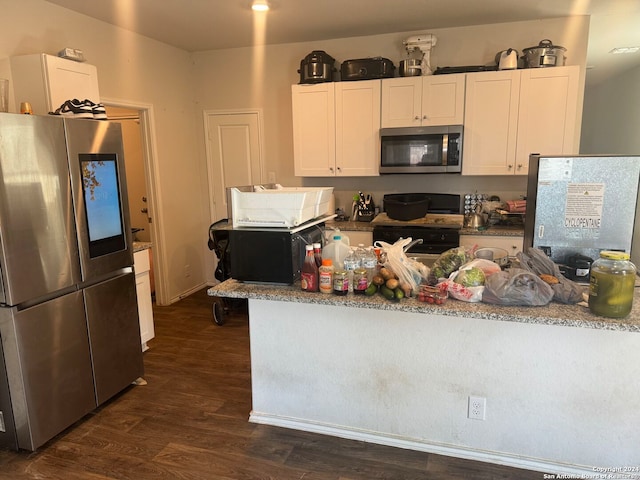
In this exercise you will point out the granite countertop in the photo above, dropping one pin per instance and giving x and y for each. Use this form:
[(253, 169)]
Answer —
[(494, 230), (552, 314), (138, 246), (350, 225)]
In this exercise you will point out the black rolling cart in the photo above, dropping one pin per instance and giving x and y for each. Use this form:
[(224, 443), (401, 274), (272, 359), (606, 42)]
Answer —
[(219, 243)]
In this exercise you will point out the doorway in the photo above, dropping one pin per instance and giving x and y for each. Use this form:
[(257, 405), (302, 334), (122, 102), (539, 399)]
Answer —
[(234, 154), (137, 132)]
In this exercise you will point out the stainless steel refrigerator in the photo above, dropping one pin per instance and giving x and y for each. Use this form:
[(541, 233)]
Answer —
[(69, 326), (580, 205)]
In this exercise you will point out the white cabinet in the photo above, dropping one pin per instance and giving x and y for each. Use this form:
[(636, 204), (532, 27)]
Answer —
[(512, 244), (47, 81), (511, 114), (423, 101), (336, 129), (142, 267)]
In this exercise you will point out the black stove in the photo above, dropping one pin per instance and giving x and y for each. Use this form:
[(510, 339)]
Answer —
[(439, 230)]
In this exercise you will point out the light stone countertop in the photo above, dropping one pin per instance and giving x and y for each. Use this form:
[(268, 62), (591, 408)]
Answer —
[(138, 246), (553, 314)]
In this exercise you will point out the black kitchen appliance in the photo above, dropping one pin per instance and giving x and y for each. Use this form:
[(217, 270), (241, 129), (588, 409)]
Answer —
[(271, 255), (317, 67), (406, 206), (421, 149), (366, 69), (465, 69), (439, 230)]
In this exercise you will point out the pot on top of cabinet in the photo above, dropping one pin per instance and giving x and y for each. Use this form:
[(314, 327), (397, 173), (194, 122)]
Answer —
[(545, 54), (317, 67)]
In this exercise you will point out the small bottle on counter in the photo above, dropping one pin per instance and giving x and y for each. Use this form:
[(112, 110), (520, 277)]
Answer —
[(611, 285), (370, 263), (351, 262), (309, 274), (325, 276), (317, 253), (360, 280), (340, 282)]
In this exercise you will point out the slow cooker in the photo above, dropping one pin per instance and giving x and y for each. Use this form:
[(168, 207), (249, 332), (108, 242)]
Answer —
[(317, 67), (546, 54)]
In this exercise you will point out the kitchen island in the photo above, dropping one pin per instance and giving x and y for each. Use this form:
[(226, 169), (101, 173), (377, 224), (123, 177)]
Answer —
[(561, 384)]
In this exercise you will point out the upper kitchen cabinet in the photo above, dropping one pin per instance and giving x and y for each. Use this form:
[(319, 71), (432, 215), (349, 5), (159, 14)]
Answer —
[(336, 128), (511, 114), (47, 81), (423, 101)]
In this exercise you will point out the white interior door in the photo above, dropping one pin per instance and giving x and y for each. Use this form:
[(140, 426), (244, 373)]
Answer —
[(234, 155)]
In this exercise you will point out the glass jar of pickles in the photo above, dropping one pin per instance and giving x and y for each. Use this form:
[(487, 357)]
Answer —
[(611, 285)]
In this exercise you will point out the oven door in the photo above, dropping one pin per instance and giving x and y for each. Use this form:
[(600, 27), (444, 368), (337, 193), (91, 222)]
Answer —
[(434, 240)]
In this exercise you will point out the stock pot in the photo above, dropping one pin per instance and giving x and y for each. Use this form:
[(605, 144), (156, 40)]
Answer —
[(545, 54)]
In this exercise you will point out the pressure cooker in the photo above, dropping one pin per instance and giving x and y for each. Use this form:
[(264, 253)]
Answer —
[(545, 54), (317, 67)]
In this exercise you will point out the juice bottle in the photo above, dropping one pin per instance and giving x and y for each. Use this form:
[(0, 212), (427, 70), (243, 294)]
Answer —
[(309, 274), (317, 253)]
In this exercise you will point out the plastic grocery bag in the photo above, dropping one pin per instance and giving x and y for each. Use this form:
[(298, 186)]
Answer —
[(467, 283), (516, 286), (409, 271), (447, 263), (536, 261)]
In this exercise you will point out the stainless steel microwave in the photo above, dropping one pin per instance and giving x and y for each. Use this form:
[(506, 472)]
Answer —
[(421, 149)]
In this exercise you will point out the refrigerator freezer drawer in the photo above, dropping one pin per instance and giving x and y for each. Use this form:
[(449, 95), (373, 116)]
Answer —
[(47, 354), (114, 335)]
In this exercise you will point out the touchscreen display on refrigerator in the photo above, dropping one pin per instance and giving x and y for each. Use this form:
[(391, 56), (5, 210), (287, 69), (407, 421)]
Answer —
[(101, 190)]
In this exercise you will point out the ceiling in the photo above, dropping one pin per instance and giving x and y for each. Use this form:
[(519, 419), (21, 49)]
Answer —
[(198, 25)]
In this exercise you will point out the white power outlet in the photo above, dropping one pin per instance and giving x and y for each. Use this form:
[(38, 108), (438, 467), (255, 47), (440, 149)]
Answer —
[(477, 408)]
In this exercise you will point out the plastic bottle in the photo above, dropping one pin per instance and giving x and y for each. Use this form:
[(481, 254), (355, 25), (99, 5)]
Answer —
[(360, 253), (351, 262), (325, 276), (317, 253), (370, 263), (336, 250), (611, 285), (309, 275)]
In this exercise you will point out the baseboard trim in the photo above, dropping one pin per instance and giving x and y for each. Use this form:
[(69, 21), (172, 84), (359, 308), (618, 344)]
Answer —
[(498, 458)]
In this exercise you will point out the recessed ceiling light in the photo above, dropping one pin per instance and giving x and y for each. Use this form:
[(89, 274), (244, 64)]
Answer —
[(619, 50), (260, 6)]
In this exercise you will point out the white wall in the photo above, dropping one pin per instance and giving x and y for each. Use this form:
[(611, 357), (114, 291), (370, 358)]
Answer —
[(608, 114), (134, 69)]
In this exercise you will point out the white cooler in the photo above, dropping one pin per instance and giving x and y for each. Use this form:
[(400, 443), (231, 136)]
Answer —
[(259, 206)]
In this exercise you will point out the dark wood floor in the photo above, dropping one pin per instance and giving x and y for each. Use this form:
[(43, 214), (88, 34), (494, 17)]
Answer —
[(190, 422)]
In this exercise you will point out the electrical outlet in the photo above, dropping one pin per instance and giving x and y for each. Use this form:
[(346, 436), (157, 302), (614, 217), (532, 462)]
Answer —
[(187, 271), (477, 408), (2, 427)]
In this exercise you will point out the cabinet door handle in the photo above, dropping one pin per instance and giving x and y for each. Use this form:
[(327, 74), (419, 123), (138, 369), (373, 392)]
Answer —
[(331, 169), (509, 167), (424, 117), (519, 166), (417, 117), (339, 169)]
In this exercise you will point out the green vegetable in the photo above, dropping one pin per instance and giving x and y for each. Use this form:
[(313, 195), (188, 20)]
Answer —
[(399, 293), (472, 277), (371, 289), (387, 292)]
